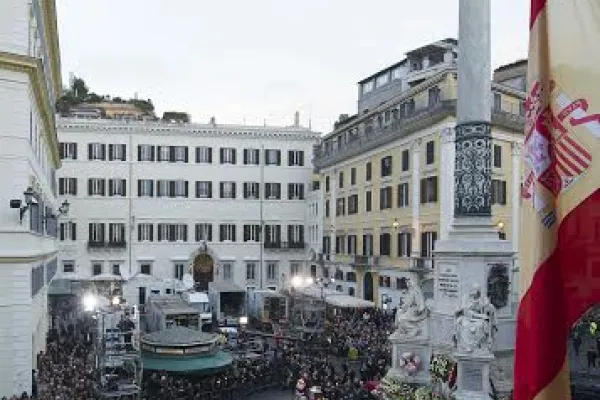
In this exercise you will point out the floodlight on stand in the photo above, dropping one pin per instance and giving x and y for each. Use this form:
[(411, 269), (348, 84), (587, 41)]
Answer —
[(500, 225), (29, 193), (310, 281), (243, 320), (116, 300), (89, 302)]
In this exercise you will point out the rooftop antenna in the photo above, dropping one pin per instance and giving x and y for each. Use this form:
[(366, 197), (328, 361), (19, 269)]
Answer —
[(309, 123), (297, 119)]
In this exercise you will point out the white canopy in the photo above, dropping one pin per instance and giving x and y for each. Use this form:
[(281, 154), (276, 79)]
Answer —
[(335, 298)]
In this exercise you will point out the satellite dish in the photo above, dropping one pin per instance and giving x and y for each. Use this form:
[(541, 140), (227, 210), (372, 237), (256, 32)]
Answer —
[(188, 281)]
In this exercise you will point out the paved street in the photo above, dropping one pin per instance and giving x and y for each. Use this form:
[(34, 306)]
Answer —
[(273, 395)]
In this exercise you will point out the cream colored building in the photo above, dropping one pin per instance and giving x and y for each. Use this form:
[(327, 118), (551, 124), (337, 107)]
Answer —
[(387, 174)]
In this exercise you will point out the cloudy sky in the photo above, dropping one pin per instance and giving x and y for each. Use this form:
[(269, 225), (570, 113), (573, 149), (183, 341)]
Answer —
[(256, 60)]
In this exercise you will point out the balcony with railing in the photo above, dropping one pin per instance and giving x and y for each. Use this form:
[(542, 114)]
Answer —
[(117, 244), (96, 245), (106, 245), (284, 245)]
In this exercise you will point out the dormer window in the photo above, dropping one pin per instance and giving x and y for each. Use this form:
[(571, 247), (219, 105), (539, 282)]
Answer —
[(383, 79), (367, 87), (416, 65)]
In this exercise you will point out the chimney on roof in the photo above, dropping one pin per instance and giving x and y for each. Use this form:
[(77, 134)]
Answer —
[(213, 121), (297, 119)]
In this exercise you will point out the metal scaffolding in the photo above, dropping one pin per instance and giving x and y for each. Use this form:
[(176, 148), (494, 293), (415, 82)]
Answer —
[(118, 354)]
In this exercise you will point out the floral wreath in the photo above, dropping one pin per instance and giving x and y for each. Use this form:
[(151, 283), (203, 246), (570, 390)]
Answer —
[(410, 363)]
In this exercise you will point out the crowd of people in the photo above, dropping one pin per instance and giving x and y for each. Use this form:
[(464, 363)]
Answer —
[(343, 360)]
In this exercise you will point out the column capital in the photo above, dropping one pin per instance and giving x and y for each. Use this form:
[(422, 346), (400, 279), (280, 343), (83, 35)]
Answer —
[(416, 145), (448, 135), (516, 148)]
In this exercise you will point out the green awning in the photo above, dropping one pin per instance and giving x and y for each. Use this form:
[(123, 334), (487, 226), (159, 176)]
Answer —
[(187, 364)]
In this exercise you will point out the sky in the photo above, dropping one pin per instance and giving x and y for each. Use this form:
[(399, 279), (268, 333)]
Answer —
[(257, 61)]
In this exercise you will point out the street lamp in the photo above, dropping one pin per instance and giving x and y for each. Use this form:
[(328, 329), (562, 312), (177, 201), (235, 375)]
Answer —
[(395, 224), (90, 301)]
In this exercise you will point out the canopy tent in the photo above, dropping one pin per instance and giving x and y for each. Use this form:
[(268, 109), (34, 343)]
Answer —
[(335, 298), (189, 365)]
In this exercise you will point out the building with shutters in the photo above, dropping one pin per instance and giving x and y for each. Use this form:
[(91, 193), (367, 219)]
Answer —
[(151, 201), (387, 173), (29, 82)]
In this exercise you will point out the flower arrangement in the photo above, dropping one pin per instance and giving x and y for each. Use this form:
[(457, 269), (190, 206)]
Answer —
[(393, 388), (410, 363), (443, 369)]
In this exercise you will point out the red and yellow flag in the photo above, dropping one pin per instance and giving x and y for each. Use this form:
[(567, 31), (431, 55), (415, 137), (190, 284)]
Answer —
[(560, 250)]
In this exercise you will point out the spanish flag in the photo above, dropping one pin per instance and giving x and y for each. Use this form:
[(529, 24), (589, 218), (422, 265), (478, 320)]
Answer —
[(560, 251)]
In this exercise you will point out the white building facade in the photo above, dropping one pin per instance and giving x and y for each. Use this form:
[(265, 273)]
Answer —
[(29, 82), (157, 200)]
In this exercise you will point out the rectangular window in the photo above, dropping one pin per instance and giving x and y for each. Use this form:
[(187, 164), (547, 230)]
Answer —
[(164, 153), (326, 208), (385, 244), (68, 267), (251, 190), (272, 236), (179, 154), (96, 187), (250, 270), (386, 166), (204, 232), (145, 188), (117, 187), (352, 204), (96, 232), (296, 158), (340, 206), (116, 269), (96, 151), (172, 232), (341, 180), (385, 198), (368, 201), (428, 240), (434, 96), (227, 271), (367, 87), (117, 152), (116, 233), (96, 268), (404, 244), (352, 176), (498, 192), (296, 236), (497, 102), (295, 191), (430, 153), (272, 157), (403, 198), (272, 271), (295, 269), (204, 190), (383, 79), (352, 244), (145, 232), (273, 191), (368, 171), (227, 190), (67, 186), (368, 245), (327, 184), (68, 231), (227, 233), (251, 157), (146, 152), (227, 155), (68, 151), (252, 233), (204, 155), (177, 188), (497, 156), (179, 270), (405, 160), (429, 190), (146, 269)]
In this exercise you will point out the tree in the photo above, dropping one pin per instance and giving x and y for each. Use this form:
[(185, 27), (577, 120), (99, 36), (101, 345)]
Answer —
[(176, 116), (79, 89)]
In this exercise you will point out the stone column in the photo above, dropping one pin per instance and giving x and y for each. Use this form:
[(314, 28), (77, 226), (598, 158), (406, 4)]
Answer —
[(447, 155), (473, 133), (516, 195), (416, 197)]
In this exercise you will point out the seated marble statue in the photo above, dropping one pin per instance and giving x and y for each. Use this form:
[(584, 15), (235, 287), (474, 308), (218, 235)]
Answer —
[(412, 315), (474, 323)]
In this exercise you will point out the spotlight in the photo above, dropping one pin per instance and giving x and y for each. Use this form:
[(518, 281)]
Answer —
[(310, 281), (116, 300), (243, 320), (296, 281), (89, 302)]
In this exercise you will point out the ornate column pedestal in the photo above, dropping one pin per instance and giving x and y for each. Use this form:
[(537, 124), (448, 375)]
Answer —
[(473, 379), (406, 349)]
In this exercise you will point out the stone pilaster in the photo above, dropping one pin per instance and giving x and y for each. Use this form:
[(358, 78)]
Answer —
[(516, 194), (447, 155), (332, 212), (415, 191)]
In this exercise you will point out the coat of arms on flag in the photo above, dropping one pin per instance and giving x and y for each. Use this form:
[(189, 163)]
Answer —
[(556, 159)]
